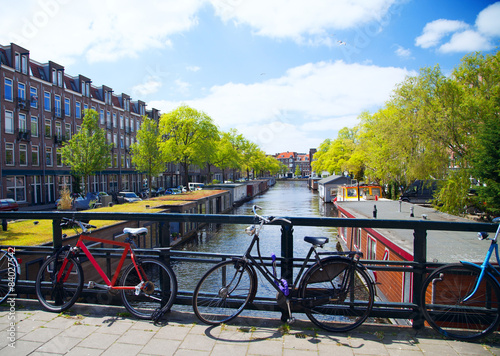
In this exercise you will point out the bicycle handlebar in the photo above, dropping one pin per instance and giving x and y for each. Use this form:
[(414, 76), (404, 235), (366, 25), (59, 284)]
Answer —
[(268, 219), (83, 225)]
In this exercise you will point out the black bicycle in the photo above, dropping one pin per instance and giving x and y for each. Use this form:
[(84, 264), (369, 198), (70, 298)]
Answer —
[(335, 292)]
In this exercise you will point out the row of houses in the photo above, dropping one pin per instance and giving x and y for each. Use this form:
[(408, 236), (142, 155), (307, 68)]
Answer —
[(41, 107), (292, 160)]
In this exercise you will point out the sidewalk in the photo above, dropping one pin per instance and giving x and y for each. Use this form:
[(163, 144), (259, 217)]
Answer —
[(102, 330)]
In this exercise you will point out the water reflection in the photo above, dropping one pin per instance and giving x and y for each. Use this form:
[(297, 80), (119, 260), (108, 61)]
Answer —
[(285, 199)]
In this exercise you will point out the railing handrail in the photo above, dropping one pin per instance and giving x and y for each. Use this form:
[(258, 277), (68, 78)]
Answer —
[(419, 264)]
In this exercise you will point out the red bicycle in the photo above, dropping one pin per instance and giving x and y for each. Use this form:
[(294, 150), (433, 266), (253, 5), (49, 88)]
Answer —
[(147, 286)]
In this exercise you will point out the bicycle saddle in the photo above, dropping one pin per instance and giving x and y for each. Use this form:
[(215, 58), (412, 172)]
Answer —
[(136, 231), (316, 241)]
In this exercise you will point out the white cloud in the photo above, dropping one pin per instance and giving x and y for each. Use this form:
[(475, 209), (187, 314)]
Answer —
[(460, 36), (403, 52), (193, 68), (60, 30), (296, 18), (487, 21), (466, 41), (147, 88), (436, 30), (308, 104)]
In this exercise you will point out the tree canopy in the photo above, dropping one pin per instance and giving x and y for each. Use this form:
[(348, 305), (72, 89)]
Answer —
[(87, 151), (433, 127)]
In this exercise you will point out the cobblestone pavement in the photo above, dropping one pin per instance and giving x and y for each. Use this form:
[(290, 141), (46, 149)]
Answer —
[(103, 330)]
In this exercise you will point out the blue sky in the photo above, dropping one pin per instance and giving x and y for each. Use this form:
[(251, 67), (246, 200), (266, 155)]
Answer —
[(287, 74)]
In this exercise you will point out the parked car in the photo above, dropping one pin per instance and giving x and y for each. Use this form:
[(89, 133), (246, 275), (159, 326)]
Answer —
[(420, 191), (8, 205), (160, 191), (172, 191), (127, 197)]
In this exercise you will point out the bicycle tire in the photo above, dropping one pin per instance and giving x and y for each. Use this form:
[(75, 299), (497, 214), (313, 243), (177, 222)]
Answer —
[(159, 292), (326, 305), (442, 297), (8, 274), (59, 296), (216, 301)]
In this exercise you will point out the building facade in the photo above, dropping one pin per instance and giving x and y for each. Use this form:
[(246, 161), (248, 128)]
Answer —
[(292, 160), (41, 107)]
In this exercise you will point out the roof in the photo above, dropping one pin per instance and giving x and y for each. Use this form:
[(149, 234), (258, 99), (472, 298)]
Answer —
[(442, 246), (285, 155), (335, 180)]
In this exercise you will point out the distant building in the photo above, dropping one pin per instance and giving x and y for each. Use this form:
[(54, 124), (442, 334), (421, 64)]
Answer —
[(292, 160)]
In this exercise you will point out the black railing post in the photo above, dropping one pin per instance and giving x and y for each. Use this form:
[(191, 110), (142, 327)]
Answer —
[(419, 256), (164, 239), (56, 234), (287, 253)]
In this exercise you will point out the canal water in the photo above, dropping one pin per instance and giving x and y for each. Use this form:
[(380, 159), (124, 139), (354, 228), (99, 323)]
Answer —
[(285, 199)]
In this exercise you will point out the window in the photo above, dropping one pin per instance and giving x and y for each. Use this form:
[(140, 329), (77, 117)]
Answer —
[(8, 89), (108, 119), (67, 131), (57, 105), (108, 138), (48, 128), (115, 123), (24, 64), (122, 142), (34, 126), (46, 101), (85, 108), (22, 123), (54, 76), (23, 155), (60, 78), (115, 141), (21, 91), (34, 97), (59, 158), (121, 122), (371, 248), (132, 125), (9, 122), (9, 154), (101, 116), (78, 110), (35, 156), (48, 156), (67, 108), (16, 188), (17, 62), (357, 238), (59, 130)]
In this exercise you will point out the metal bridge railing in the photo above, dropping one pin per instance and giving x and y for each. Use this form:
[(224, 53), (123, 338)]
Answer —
[(287, 259)]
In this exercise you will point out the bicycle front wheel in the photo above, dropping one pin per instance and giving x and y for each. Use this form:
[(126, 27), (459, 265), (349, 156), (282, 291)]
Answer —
[(59, 283), (446, 310), (337, 295), (223, 292), (157, 293), (8, 275)]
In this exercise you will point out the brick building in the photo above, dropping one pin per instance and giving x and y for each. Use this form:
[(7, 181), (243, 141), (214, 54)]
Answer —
[(41, 107)]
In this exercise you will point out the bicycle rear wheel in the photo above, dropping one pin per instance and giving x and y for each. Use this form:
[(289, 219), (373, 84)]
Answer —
[(444, 308), (338, 295), (8, 274), (223, 292), (157, 293), (59, 294)]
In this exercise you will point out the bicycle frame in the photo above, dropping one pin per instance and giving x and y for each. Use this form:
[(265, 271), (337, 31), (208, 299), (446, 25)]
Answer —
[(110, 283), (486, 266)]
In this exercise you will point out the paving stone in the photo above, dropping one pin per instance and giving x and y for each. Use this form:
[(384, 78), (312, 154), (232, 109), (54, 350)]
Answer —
[(99, 341), (59, 344), (21, 348), (122, 350), (265, 347), (173, 332), (41, 334), (197, 342), (161, 347), (136, 337)]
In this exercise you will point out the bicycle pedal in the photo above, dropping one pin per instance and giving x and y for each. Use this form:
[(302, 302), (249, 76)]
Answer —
[(291, 321), (91, 285)]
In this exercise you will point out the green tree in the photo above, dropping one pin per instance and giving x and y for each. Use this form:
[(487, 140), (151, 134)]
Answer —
[(87, 151), (147, 155), (228, 152), (297, 171), (188, 136)]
